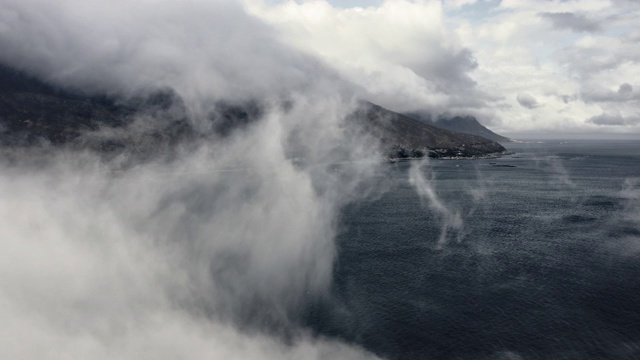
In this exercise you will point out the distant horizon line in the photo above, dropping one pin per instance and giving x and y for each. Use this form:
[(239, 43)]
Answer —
[(522, 137)]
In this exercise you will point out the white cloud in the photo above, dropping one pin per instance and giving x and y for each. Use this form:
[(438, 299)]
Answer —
[(576, 75), (614, 118), (202, 49), (474, 57), (172, 259), (461, 57), (402, 53), (457, 4)]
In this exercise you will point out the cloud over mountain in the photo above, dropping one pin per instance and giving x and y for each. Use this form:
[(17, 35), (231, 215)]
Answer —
[(214, 250), (402, 54), (465, 58)]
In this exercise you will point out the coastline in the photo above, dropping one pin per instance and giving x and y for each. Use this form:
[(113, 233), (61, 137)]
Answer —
[(494, 155)]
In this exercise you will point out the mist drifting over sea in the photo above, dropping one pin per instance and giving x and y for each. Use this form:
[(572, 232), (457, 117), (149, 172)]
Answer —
[(207, 250), (231, 245), (545, 264)]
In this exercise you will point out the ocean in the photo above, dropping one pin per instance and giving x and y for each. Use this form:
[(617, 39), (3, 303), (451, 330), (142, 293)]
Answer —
[(544, 263)]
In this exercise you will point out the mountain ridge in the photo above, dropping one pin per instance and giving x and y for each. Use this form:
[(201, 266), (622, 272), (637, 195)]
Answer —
[(466, 124), (33, 112), (407, 137)]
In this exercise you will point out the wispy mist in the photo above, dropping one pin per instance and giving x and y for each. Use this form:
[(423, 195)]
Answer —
[(452, 223)]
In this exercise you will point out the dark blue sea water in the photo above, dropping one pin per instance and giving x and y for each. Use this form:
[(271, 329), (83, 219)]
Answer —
[(546, 265)]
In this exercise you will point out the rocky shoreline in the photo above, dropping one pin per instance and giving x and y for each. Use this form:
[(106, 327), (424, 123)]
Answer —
[(494, 155)]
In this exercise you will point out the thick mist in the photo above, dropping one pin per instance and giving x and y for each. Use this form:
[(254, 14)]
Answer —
[(205, 51), (168, 259), (209, 249)]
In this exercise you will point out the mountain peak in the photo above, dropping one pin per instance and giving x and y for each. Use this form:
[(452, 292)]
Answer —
[(465, 124)]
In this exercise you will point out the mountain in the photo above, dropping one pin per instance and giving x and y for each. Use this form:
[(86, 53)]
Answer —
[(469, 125), (32, 113), (463, 124), (404, 136)]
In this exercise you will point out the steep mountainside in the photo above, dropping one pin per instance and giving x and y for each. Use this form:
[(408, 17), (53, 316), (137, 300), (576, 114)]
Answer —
[(33, 112), (463, 124), (404, 136), (469, 125)]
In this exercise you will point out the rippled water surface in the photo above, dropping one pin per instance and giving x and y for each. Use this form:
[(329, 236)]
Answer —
[(546, 264)]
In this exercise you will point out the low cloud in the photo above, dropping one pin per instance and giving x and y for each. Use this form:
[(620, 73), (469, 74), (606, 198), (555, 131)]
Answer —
[(595, 94), (527, 100), (402, 54), (570, 76), (572, 21), (613, 118), (202, 50), (625, 89)]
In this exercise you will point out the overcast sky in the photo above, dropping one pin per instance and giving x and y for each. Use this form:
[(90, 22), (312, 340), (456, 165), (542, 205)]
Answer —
[(523, 67)]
